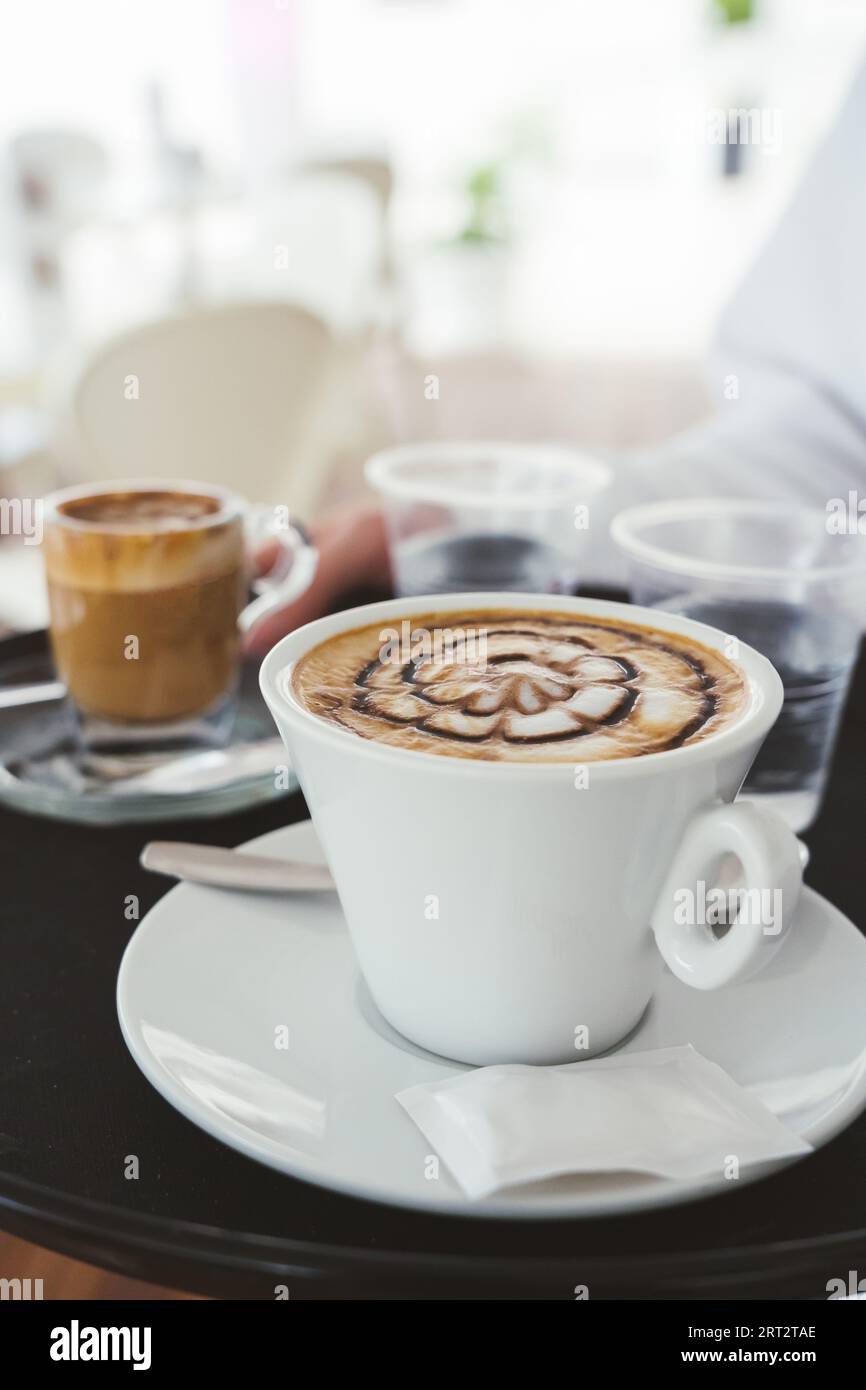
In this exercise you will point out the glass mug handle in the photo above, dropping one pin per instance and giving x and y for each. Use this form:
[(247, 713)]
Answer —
[(292, 572)]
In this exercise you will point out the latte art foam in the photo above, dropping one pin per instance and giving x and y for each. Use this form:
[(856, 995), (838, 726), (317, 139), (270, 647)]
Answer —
[(540, 687)]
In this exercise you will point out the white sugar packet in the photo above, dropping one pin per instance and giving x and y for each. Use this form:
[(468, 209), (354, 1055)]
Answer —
[(670, 1112)]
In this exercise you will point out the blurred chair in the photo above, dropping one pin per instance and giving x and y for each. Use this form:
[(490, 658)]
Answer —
[(377, 175), (60, 174), (237, 395), (316, 242), (120, 272), (58, 180)]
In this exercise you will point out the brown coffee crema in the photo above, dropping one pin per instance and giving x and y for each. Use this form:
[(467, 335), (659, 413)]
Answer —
[(151, 509), (506, 686), (142, 565)]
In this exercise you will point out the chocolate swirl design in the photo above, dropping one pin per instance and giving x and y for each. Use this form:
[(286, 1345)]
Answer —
[(536, 687)]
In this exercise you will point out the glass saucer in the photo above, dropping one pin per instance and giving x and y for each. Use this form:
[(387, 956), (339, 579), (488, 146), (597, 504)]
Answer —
[(44, 771)]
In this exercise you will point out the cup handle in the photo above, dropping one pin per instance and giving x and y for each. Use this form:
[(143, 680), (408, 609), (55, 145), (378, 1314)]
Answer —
[(291, 574), (769, 856)]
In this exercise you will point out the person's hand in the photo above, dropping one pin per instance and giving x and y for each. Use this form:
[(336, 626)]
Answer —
[(353, 551)]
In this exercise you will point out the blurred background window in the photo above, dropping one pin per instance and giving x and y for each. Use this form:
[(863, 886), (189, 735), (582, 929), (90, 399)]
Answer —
[(567, 145), (545, 205)]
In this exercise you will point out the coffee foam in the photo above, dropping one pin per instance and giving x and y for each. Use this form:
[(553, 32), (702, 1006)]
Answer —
[(164, 553), (150, 508), (550, 688)]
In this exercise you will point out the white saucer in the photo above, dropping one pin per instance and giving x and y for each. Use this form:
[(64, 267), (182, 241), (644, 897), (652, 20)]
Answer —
[(45, 772), (210, 976)]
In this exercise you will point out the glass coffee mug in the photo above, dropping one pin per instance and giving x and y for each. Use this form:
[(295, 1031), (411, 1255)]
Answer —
[(148, 583)]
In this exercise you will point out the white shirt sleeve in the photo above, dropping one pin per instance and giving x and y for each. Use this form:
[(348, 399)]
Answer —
[(793, 341)]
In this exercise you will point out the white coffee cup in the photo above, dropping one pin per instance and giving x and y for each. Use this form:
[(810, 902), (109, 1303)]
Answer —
[(518, 912)]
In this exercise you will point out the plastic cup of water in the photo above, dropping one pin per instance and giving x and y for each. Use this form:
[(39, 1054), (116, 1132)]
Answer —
[(783, 578), (486, 517)]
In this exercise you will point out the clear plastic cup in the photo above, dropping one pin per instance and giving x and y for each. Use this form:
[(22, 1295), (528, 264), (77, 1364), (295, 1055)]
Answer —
[(778, 577), (486, 517)]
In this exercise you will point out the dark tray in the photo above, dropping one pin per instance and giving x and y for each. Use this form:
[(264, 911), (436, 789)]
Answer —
[(73, 1105)]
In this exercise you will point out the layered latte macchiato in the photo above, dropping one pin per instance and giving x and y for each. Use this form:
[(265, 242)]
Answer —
[(145, 588), (504, 685)]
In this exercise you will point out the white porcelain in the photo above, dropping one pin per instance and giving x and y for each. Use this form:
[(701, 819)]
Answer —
[(552, 899), (210, 976)]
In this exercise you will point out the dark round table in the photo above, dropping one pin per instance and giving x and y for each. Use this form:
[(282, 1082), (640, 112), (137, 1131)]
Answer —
[(73, 1105)]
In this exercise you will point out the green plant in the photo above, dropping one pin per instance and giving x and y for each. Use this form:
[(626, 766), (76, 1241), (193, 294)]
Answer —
[(735, 11), (484, 195)]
